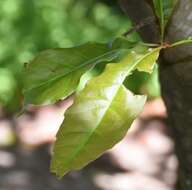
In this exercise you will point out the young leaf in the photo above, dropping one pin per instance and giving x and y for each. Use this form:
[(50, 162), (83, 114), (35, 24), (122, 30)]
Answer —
[(100, 116), (55, 74), (163, 10)]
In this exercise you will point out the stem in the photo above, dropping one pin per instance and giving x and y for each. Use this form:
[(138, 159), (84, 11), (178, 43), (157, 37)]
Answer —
[(182, 42)]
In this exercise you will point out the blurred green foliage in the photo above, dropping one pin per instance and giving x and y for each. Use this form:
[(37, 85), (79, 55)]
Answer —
[(29, 26)]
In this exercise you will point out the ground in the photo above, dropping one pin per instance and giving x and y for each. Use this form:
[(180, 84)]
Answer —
[(144, 160)]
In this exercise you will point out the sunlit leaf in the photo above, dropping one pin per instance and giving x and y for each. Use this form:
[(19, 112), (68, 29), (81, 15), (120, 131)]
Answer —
[(101, 114), (145, 64)]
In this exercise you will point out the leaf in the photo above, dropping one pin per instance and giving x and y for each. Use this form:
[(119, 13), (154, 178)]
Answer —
[(145, 64), (55, 74), (100, 116), (163, 10)]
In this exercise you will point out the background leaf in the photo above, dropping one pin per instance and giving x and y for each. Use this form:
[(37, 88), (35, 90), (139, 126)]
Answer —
[(100, 115)]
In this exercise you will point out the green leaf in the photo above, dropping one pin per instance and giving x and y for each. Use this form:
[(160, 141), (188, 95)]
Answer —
[(150, 57), (55, 74), (100, 116), (163, 10)]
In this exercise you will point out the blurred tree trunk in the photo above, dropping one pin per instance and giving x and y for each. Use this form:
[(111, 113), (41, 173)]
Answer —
[(175, 77), (176, 84)]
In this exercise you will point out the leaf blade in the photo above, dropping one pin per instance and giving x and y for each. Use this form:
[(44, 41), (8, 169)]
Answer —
[(56, 73), (98, 111)]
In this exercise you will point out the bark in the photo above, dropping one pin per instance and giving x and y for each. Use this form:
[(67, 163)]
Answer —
[(139, 11), (176, 84), (176, 79)]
